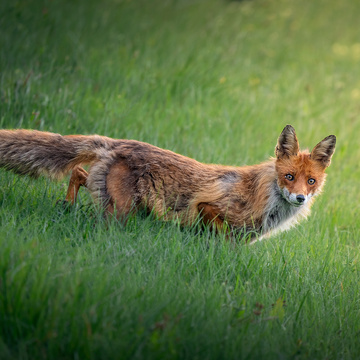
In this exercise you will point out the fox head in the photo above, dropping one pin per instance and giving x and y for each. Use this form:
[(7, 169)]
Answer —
[(301, 174)]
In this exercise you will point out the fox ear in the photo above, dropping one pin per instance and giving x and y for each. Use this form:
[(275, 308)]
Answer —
[(287, 144), (324, 150)]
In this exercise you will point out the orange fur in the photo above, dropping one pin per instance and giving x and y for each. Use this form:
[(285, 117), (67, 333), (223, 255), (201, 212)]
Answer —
[(127, 175), (303, 168)]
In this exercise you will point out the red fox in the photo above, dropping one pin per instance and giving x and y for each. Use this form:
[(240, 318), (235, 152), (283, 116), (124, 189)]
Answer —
[(249, 202)]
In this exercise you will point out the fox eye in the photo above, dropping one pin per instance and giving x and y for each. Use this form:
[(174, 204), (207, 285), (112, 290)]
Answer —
[(289, 177), (311, 181)]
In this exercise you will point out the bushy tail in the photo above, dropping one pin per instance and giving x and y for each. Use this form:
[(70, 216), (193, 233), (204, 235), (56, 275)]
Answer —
[(35, 153)]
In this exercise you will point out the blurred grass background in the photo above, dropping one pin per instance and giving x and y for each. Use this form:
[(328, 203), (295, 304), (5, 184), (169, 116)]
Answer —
[(215, 80)]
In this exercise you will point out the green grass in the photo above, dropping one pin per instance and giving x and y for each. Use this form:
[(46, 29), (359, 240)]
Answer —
[(215, 80)]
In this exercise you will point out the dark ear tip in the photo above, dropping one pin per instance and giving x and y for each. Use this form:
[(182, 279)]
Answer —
[(332, 137), (289, 128)]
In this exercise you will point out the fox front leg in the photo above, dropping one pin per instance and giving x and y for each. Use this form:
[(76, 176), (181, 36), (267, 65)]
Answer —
[(210, 216)]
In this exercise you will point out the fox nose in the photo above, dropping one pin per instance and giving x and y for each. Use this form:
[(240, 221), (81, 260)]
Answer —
[(300, 198)]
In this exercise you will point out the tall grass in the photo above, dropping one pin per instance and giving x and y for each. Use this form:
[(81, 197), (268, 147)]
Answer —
[(214, 80)]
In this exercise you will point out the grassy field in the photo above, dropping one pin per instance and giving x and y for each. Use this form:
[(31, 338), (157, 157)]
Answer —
[(215, 80)]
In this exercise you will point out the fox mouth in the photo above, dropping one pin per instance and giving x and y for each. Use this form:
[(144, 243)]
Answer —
[(293, 199), (296, 204), (293, 203)]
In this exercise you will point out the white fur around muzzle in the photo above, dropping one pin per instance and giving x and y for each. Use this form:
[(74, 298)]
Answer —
[(291, 197)]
